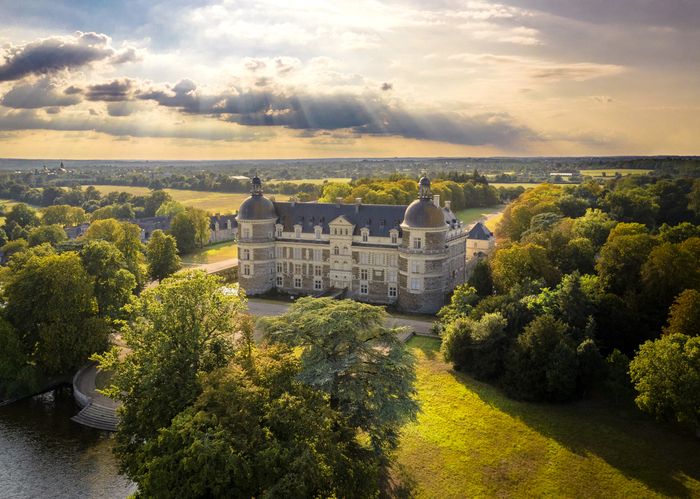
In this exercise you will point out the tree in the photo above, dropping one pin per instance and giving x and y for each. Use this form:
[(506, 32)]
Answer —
[(595, 225), (63, 215), (519, 263), (461, 304), (480, 278), (52, 234), (257, 431), (542, 364), (18, 376), (161, 255), (622, 257), (347, 352), (666, 376), (14, 247), (114, 284), (684, 314), (127, 238), (179, 330), (153, 201), (182, 228), (51, 303), (22, 215), (477, 347), (169, 209), (202, 224)]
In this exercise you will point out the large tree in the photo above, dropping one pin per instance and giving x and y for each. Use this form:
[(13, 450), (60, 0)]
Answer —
[(63, 215), (161, 255), (257, 431), (127, 238), (684, 314), (114, 284), (347, 352), (666, 375), (154, 200), (51, 303), (182, 328)]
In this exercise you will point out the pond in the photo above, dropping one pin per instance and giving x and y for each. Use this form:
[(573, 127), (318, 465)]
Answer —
[(45, 454)]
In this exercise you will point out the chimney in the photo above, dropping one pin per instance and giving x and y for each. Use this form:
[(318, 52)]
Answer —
[(436, 200), (358, 202), (338, 201), (448, 205)]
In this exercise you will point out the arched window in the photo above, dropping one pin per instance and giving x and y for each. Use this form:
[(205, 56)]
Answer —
[(336, 250)]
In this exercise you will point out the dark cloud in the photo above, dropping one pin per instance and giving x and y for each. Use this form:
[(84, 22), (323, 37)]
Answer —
[(129, 54), (72, 90), (182, 96), (54, 54), (120, 109), (113, 91), (42, 93), (387, 86)]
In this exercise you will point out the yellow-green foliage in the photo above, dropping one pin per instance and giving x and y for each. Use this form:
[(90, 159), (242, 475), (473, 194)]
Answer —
[(315, 181), (470, 440), (517, 215), (212, 202)]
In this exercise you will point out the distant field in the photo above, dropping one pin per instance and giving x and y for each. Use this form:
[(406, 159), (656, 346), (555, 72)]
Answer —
[(470, 440), (212, 254), (318, 181), (614, 171), (471, 215), (213, 202), (526, 185)]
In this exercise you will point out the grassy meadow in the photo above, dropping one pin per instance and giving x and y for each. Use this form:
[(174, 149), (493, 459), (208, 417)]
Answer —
[(213, 202), (471, 215), (470, 440), (212, 254)]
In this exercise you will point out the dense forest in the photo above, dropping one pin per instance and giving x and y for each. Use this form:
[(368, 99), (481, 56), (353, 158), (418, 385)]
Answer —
[(591, 286)]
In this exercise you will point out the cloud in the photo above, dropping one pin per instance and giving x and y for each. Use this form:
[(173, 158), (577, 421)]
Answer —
[(53, 54), (120, 109), (113, 91), (387, 86), (41, 93)]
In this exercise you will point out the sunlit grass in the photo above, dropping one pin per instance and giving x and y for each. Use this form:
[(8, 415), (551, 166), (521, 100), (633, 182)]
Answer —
[(470, 440), (212, 254), (471, 215), (213, 202), (317, 181)]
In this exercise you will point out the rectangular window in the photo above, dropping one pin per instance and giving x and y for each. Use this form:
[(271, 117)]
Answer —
[(364, 289), (394, 238), (392, 291), (279, 280), (278, 252), (297, 268), (279, 268), (417, 243), (297, 282), (279, 231), (392, 260), (318, 271), (363, 274), (246, 233), (415, 267), (391, 276), (365, 237), (317, 232), (318, 284), (415, 283), (364, 258), (246, 269), (245, 254), (297, 232), (297, 253), (317, 255)]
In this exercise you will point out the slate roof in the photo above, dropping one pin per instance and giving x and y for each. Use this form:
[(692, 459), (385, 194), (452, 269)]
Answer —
[(479, 231), (149, 224), (222, 219), (379, 218)]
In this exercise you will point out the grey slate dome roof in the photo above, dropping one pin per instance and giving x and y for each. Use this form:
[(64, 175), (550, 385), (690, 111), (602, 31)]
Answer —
[(257, 206), (422, 213)]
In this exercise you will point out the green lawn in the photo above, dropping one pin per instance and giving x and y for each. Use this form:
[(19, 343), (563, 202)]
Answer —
[(472, 441), (471, 215), (212, 254), (611, 172), (526, 185), (213, 202)]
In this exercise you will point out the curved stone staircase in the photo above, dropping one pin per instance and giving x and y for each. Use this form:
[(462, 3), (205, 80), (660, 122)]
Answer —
[(97, 416), (97, 410)]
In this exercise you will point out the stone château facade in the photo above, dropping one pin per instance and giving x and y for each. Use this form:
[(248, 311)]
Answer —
[(409, 256)]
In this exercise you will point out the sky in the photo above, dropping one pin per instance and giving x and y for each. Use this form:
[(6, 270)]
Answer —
[(229, 79)]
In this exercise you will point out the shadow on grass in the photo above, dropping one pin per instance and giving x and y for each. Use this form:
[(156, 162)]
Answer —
[(429, 347), (653, 453)]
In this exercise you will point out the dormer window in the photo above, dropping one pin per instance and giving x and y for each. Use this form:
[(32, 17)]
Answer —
[(394, 237), (278, 230), (317, 232), (297, 231)]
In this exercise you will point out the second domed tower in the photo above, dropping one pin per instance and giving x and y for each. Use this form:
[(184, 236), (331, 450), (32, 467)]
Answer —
[(422, 253)]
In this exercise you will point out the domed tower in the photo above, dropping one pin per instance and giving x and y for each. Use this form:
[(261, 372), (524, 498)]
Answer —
[(422, 254), (256, 242)]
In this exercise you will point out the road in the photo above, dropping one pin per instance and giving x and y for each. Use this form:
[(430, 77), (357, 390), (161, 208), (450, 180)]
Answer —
[(260, 307)]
